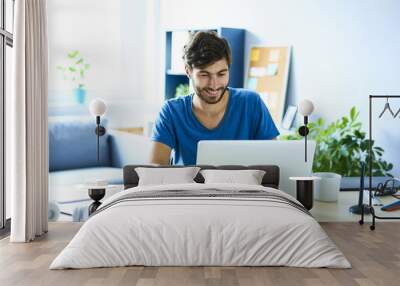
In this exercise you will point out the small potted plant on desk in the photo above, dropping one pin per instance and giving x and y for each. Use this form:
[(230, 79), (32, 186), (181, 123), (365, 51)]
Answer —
[(75, 71), (340, 146), (182, 90)]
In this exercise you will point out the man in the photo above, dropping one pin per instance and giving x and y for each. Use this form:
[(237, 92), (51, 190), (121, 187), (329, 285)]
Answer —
[(215, 111)]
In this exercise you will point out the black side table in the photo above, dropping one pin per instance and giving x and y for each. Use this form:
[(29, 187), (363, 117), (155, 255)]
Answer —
[(96, 194), (305, 190)]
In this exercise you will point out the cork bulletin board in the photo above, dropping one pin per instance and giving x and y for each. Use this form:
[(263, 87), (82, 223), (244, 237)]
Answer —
[(268, 75)]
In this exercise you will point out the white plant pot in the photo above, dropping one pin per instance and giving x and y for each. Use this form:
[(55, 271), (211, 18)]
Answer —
[(327, 188)]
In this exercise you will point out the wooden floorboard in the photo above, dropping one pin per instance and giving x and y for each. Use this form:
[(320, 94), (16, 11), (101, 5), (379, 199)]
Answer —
[(374, 255)]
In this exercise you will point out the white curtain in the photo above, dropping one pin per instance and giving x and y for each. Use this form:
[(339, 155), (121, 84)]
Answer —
[(27, 122)]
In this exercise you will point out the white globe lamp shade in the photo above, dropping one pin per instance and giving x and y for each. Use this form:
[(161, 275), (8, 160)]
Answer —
[(306, 107), (97, 107)]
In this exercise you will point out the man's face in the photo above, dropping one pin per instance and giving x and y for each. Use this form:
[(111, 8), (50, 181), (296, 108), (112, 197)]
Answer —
[(210, 82)]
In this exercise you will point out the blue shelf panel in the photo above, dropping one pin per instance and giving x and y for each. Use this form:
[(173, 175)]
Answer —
[(236, 40), (168, 46), (171, 82)]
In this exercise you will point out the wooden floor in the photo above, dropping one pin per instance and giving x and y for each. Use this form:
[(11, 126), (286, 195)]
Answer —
[(374, 255)]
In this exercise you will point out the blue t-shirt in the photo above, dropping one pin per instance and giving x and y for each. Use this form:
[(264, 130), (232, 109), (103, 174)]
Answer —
[(246, 118)]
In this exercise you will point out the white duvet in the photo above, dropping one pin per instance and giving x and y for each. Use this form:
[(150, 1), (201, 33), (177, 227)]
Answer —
[(200, 231)]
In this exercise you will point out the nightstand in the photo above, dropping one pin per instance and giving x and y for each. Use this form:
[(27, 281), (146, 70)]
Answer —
[(96, 193), (305, 190)]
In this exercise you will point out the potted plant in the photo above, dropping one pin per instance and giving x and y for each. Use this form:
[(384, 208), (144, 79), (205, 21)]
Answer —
[(75, 71), (182, 90), (341, 147)]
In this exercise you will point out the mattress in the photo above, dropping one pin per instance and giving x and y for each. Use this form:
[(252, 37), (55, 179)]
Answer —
[(201, 225)]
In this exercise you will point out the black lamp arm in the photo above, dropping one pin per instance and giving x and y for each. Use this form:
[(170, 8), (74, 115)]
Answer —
[(100, 131), (303, 131)]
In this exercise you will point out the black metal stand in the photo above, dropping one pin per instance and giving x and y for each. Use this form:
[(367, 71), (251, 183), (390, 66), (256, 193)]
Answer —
[(361, 207), (370, 206), (96, 195), (303, 131), (100, 131)]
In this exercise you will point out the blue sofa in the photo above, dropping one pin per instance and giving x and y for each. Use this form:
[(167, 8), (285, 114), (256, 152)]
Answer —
[(73, 158)]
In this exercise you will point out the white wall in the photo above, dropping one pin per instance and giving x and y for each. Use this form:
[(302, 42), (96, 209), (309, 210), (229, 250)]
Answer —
[(93, 28), (118, 39), (140, 63), (342, 50)]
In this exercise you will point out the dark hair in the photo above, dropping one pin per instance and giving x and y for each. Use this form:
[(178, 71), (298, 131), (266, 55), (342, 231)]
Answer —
[(205, 48)]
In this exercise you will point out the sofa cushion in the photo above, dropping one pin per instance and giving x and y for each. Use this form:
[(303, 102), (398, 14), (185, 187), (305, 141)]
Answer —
[(73, 144), (129, 149)]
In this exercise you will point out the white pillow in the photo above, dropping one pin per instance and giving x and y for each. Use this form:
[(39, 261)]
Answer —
[(249, 177), (164, 176)]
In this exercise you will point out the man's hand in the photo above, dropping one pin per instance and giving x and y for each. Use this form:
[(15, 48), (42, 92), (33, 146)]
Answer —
[(160, 154)]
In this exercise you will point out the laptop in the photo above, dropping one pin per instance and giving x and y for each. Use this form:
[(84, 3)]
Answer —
[(288, 155)]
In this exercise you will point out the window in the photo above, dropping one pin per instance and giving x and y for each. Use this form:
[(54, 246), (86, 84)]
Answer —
[(6, 44)]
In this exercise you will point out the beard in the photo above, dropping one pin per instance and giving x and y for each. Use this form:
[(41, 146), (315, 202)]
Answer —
[(207, 98)]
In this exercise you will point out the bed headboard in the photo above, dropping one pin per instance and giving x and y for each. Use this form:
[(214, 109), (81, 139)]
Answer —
[(270, 179)]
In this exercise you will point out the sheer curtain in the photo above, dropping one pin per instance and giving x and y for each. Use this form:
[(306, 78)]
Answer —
[(27, 148)]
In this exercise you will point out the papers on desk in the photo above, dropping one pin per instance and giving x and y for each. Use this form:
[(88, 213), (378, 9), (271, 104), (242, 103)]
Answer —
[(269, 70), (376, 201), (397, 195)]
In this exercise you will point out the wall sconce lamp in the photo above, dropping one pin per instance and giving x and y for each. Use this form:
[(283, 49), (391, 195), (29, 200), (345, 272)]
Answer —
[(97, 108), (305, 107)]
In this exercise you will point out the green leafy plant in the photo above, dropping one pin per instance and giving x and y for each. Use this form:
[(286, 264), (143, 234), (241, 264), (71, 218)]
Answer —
[(182, 90), (341, 146), (75, 70)]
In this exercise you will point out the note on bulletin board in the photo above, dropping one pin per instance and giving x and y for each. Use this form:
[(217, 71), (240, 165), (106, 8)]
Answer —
[(268, 75)]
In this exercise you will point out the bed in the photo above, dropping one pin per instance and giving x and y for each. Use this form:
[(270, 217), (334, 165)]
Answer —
[(201, 224)]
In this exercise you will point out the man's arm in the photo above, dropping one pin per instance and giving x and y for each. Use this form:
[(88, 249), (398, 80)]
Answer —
[(160, 154)]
